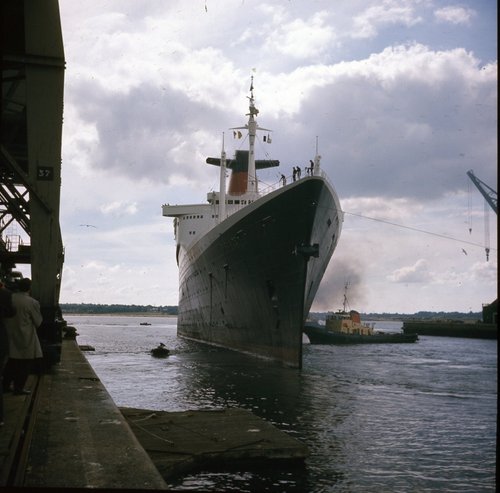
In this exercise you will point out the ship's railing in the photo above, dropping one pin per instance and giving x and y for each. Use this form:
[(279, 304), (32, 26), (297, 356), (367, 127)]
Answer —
[(232, 208), (289, 180)]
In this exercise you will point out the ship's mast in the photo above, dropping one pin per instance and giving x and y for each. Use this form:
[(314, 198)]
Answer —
[(252, 132), (317, 159), (222, 187), (346, 286), (251, 127)]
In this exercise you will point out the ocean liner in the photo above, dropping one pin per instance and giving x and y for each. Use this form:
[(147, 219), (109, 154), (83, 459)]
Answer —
[(250, 260)]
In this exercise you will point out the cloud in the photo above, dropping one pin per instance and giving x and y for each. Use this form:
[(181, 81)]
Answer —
[(408, 121), (455, 15), (98, 282), (302, 38), (389, 12), (119, 208), (147, 134), (401, 110), (484, 272), (380, 208), (390, 117), (418, 272)]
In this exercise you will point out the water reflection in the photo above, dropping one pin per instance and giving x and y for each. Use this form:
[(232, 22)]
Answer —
[(407, 417)]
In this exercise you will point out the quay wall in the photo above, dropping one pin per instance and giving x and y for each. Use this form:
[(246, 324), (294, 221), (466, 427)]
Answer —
[(451, 329)]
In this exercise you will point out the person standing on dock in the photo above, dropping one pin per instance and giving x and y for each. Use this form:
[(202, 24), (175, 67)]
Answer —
[(6, 310), (24, 345)]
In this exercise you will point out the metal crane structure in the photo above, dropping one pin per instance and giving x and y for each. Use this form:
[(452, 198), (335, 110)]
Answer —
[(487, 192), (30, 156), (491, 198)]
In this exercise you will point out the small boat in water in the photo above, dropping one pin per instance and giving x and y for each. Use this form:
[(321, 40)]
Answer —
[(343, 327), (160, 351), (144, 323)]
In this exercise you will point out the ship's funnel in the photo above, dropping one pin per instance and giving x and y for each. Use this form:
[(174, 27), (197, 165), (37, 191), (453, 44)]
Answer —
[(239, 170), (239, 174)]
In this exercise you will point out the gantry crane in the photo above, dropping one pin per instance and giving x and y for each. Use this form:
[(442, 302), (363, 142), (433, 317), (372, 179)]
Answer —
[(30, 156), (486, 191), (491, 198)]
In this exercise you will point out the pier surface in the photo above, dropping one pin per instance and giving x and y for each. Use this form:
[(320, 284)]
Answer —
[(68, 433)]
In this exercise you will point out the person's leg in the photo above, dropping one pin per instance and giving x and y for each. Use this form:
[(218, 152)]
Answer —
[(8, 375), (21, 372), (3, 361)]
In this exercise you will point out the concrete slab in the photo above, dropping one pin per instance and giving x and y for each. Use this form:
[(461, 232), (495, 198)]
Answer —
[(79, 438), (179, 442)]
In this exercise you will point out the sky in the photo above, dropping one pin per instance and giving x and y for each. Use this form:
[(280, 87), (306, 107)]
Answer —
[(400, 94)]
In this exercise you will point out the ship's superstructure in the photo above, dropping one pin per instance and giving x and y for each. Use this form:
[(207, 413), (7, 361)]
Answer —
[(250, 261)]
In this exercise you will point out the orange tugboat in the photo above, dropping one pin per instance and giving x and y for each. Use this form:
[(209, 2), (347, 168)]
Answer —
[(343, 327)]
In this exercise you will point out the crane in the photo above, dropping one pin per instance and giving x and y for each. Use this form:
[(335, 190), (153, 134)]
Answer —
[(486, 191), (491, 198)]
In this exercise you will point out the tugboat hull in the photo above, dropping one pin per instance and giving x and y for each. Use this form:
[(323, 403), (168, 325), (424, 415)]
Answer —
[(320, 335)]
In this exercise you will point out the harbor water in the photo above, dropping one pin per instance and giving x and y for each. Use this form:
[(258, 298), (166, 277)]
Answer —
[(377, 418)]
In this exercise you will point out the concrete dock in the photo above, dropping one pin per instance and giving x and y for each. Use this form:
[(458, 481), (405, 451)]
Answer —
[(180, 442), (68, 433), (451, 329)]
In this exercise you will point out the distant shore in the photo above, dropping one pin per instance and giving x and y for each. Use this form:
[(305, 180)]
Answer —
[(120, 314), (117, 309), (171, 311)]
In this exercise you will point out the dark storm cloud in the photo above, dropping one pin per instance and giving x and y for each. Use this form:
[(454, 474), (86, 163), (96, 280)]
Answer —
[(406, 122), (140, 130), (409, 136)]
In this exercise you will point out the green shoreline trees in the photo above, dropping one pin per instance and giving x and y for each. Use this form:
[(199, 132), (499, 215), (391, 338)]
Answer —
[(96, 309)]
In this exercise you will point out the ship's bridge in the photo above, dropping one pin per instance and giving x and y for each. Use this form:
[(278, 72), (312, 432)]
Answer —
[(190, 221)]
